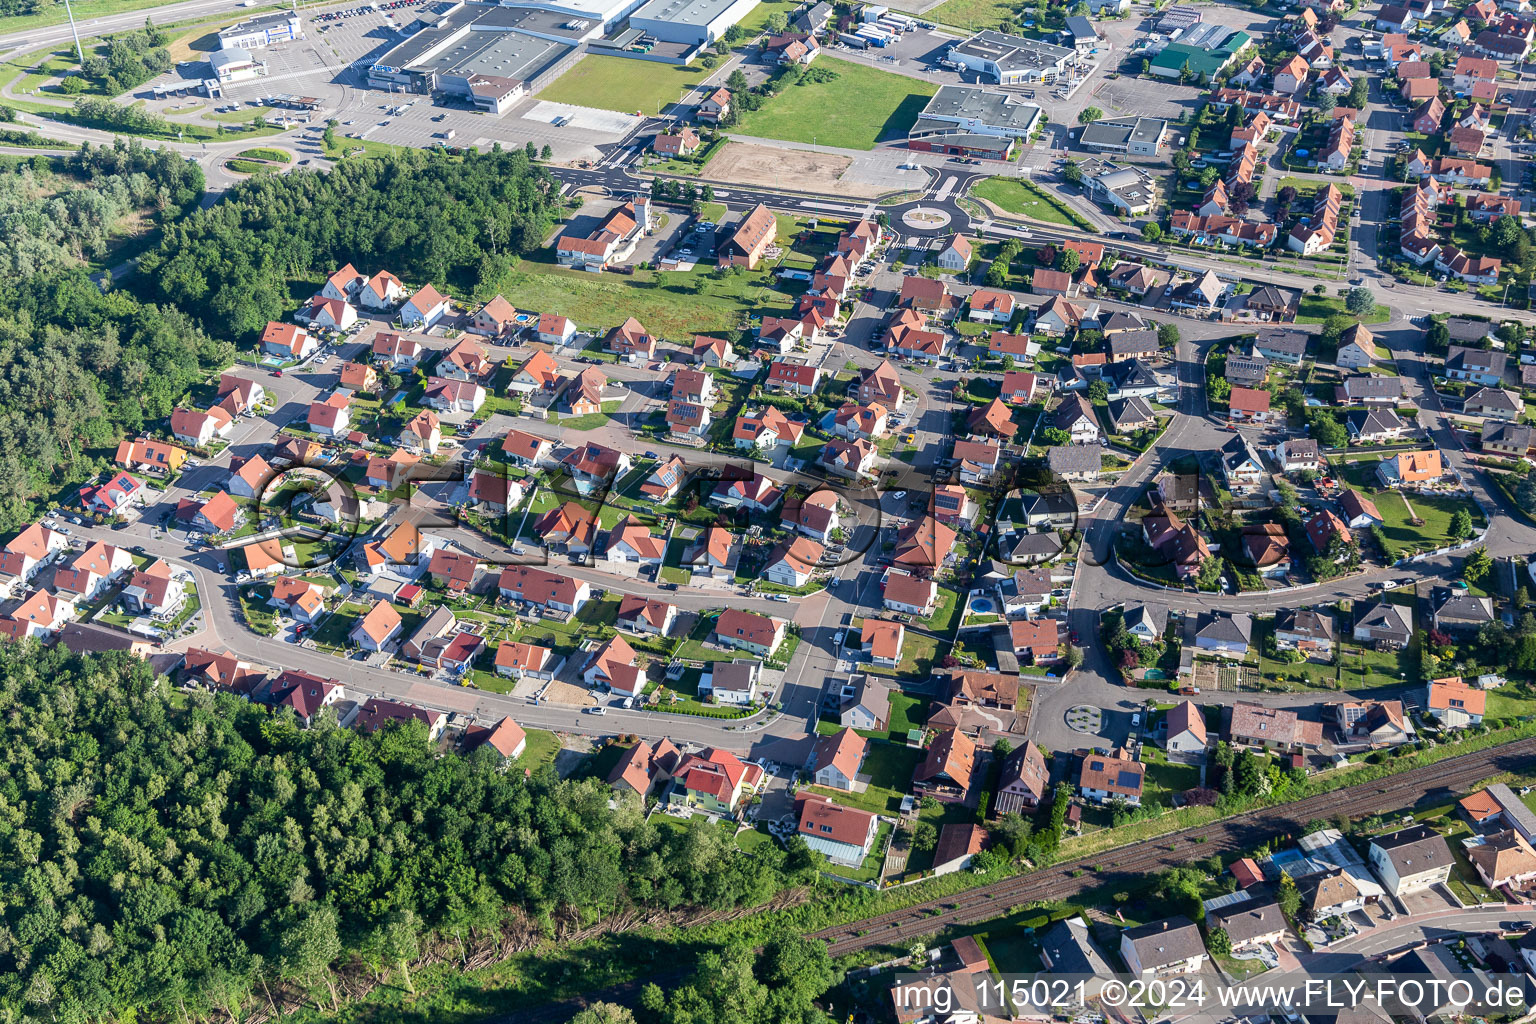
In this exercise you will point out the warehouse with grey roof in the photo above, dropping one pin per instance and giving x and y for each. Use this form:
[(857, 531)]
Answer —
[(1011, 60), (489, 55)]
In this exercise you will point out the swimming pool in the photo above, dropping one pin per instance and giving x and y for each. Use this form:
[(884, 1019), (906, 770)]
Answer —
[(982, 605)]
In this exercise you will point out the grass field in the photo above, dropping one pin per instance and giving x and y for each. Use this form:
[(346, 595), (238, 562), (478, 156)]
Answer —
[(618, 83), (857, 110), (276, 156), (889, 767), (972, 15), (1315, 309), (1024, 198), (672, 304), (1401, 533), (541, 749)]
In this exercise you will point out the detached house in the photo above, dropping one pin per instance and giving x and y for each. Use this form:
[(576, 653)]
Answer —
[(749, 631)]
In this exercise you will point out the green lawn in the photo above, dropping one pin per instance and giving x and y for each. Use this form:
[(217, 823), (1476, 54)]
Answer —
[(1025, 198), (889, 767), (619, 83), (1505, 702), (265, 153), (671, 304), (1315, 309), (918, 653), (870, 869), (1163, 780), (541, 750), (334, 630), (1403, 536), (855, 111), (972, 15)]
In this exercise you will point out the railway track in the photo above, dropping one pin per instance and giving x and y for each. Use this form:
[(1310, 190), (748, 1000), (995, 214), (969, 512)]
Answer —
[(1231, 835), (1243, 832)]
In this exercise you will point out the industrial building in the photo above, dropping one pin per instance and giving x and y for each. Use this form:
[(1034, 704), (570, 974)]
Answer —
[(259, 33), (1203, 50), (1011, 60), (966, 121), (1138, 136), (491, 56), (1128, 189), (234, 65), (694, 22)]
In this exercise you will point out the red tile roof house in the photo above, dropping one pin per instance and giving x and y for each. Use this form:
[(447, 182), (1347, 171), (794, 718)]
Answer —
[(287, 341), (843, 835), (196, 427), (424, 309), (613, 665), (1248, 405), (547, 590), (630, 339), (453, 569), (795, 377), (640, 614), (332, 415), (516, 660), (593, 465), (749, 631), (447, 394), (506, 738), (752, 237), (683, 143), (378, 628), (836, 759), (382, 291)]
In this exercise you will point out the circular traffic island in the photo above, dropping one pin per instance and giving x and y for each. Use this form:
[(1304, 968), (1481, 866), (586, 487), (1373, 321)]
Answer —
[(1085, 718), (925, 218)]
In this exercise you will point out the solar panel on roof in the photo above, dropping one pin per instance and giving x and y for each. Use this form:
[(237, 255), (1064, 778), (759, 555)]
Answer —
[(1128, 780)]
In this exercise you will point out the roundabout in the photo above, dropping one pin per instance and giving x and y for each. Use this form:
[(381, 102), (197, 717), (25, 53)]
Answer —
[(1085, 718), (925, 218)]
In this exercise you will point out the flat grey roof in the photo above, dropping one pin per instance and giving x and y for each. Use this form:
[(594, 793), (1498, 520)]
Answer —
[(959, 103), (684, 12), (264, 21), (1006, 50), (489, 40), (1123, 131)]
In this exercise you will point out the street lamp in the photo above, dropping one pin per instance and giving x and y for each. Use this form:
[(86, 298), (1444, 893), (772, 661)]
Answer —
[(79, 50)]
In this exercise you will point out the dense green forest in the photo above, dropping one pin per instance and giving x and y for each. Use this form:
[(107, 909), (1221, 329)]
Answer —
[(188, 858), (58, 214), (80, 369), (422, 215)]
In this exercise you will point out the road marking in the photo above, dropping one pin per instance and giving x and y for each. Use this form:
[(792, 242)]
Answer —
[(945, 189)]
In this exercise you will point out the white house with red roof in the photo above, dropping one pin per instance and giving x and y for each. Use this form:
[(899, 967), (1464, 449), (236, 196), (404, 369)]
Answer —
[(446, 394), (119, 492), (554, 329), (343, 285), (40, 615), (29, 551), (424, 309), (196, 427), (836, 759), (397, 351), (844, 835), (749, 631), (332, 415), (382, 291), (757, 494), (613, 664), (423, 433), (287, 341), (322, 312)]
